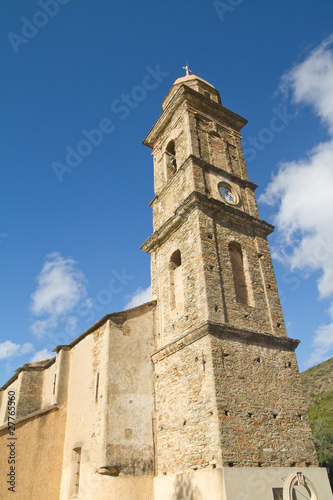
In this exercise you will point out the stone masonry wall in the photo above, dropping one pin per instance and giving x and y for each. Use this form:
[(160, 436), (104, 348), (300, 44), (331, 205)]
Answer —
[(207, 140), (228, 402), (30, 393), (187, 429), (171, 323), (208, 281), (175, 131), (221, 388), (215, 143), (263, 312), (262, 413)]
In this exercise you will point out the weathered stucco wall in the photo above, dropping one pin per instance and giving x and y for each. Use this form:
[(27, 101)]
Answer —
[(85, 422), (107, 376), (49, 386), (38, 457), (131, 394), (4, 399), (110, 394)]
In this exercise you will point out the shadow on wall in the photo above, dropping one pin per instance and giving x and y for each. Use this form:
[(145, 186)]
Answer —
[(184, 490)]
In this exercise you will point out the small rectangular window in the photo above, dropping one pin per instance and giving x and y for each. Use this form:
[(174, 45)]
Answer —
[(76, 472), (176, 286), (278, 493), (237, 266), (54, 383), (96, 389)]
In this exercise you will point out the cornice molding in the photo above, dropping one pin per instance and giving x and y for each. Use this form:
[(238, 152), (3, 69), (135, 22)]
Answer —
[(218, 209), (225, 332), (184, 92)]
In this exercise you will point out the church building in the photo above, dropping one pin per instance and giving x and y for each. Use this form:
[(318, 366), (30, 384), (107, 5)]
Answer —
[(195, 395)]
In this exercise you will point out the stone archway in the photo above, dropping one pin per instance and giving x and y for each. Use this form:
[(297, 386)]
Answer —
[(298, 479)]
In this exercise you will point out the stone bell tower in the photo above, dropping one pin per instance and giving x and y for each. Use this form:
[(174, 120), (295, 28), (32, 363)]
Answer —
[(227, 388)]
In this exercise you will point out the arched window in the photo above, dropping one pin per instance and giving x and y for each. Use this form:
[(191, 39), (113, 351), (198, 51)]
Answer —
[(237, 265), (176, 280), (171, 163)]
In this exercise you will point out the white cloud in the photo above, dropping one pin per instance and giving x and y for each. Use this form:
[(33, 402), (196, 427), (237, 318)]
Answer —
[(8, 349), (322, 343), (311, 82), (41, 327), (41, 356), (140, 296), (61, 287), (72, 323), (302, 190), (26, 348)]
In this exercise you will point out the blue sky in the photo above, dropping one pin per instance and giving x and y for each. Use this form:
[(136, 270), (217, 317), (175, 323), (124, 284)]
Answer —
[(72, 225)]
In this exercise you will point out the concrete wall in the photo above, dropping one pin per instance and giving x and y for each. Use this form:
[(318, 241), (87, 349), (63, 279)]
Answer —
[(37, 386), (99, 487), (195, 485), (249, 483), (245, 483)]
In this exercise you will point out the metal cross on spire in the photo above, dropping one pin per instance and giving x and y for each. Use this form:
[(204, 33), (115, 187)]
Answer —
[(186, 68)]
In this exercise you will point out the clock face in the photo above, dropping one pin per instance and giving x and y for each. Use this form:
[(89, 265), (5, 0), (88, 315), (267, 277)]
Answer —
[(227, 195)]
